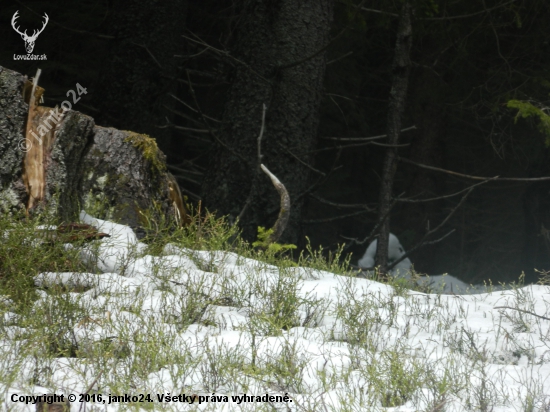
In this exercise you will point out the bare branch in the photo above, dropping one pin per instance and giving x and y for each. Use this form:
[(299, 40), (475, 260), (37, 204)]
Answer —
[(205, 121), (188, 129), (301, 161), (150, 54), (380, 12), (185, 116), (339, 58), (341, 147), (364, 139), (226, 54), (431, 232), (342, 205), (194, 110), (179, 169), (334, 218), (323, 179), (264, 110), (373, 232), (196, 84), (444, 196), (496, 178), (191, 194), (257, 171), (433, 242), (464, 16), (183, 177), (389, 145)]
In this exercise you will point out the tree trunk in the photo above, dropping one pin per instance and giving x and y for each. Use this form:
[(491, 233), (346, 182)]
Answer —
[(75, 164), (398, 94), (133, 90), (281, 46), (13, 112)]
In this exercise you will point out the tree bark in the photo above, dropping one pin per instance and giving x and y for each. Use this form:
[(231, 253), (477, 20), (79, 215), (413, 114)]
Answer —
[(280, 45), (13, 112), (79, 165), (398, 94), (123, 174)]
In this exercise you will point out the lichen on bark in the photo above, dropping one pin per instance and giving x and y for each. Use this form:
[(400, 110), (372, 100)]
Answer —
[(148, 146)]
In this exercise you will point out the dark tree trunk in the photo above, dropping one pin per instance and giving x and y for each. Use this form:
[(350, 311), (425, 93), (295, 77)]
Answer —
[(138, 75), (280, 43), (398, 94), (13, 114)]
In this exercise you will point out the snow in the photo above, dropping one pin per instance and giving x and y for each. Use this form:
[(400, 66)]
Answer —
[(438, 283), (353, 337), (395, 251)]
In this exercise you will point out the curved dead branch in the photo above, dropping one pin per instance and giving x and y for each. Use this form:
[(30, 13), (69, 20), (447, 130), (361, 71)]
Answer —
[(284, 212)]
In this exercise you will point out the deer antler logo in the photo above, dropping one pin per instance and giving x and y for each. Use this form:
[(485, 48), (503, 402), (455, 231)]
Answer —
[(29, 40)]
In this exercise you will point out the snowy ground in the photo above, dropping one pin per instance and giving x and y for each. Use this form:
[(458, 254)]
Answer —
[(352, 344), (445, 283)]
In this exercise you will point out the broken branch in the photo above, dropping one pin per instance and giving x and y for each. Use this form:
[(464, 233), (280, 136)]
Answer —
[(284, 212)]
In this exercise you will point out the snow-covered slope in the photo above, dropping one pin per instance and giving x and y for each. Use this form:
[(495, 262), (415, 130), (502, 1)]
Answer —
[(356, 345)]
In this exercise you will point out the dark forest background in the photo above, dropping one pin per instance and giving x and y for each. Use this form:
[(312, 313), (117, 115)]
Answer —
[(194, 74)]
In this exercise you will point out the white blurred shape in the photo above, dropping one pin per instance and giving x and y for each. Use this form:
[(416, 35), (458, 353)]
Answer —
[(395, 251)]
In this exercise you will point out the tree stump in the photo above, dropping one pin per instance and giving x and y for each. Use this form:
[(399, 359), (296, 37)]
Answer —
[(58, 161)]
